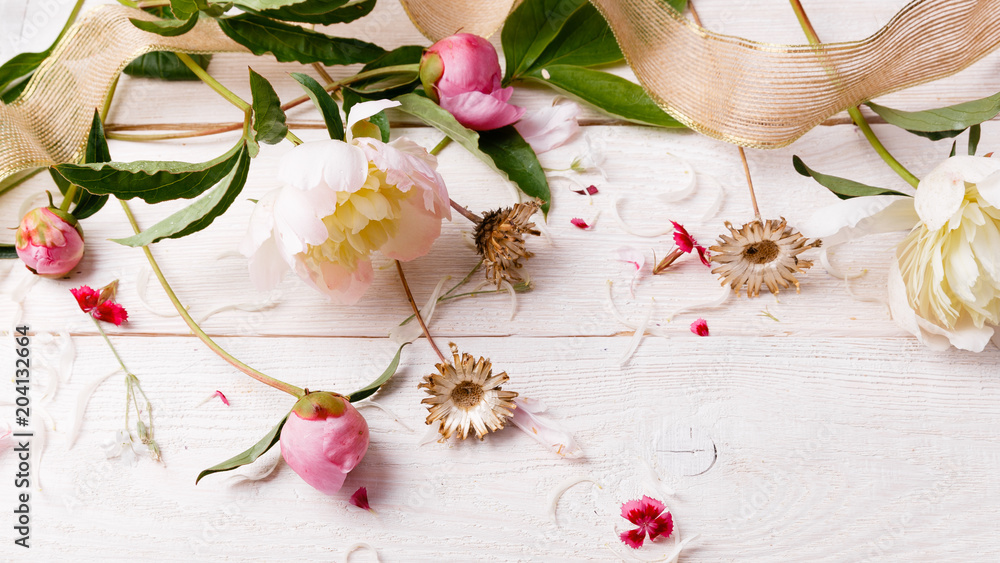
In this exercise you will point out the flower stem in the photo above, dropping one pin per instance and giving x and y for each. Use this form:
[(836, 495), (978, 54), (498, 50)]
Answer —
[(259, 376), (68, 198), (464, 212), (440, 146), (854, 112), (746, 170), (416, 312), (107, 101), (110, 345), (293, 138), (212, 82)]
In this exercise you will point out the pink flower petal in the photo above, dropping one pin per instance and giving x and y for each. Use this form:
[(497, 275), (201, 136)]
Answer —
[(482, 112), (110, 312), (700, 327), (222, 396), (360, 499), (551, 127), (703, 255), (591, 190), (682, 239), (633, 538), (579, 223), (86, 297)]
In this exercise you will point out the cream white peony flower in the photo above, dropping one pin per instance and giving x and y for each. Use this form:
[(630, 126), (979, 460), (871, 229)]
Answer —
[(944, 285), (340, 202)]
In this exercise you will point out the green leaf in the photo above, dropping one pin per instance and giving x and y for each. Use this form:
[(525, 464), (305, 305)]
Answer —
[(261, 5), (323, 12), (974, 133), (324, 103), (97, 151), (679, 5), (512, 154), (8, 252), (371, 388), (585, 40), (292, 43), (268, 117), (250, 455), (151, 181), (612, 94), (436, 116), (199, 214), (842, 188), (385, 87), (164, 65), (12, 93), (379, 119), (166, 28), (943, 122), (529, 29), (184, 9), (20, 65)]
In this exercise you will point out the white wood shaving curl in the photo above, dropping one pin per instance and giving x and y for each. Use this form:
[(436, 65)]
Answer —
[(379, 406), (81, 406), (824, 259), (707, 304), (633, 231), (411, 330), (360, 545), (141, 285), (248, 307), (640, 331), (504, 284), (561, 489)]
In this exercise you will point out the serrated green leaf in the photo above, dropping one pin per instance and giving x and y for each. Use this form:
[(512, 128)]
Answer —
[(512, 154), (151, 181), (268, 117), (164, 65), (371, 388), (609, 93), (292, 43), (941, 123), (166, 28), (841, 187), (324, 103), (529, 29), (323, 12), (584, 40), (378, 120), (199, 214), (248, 456), (8, 252)]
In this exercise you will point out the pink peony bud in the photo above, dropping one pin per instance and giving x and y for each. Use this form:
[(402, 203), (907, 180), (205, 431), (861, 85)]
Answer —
[(49, 242), (323, 439), (462, 73)]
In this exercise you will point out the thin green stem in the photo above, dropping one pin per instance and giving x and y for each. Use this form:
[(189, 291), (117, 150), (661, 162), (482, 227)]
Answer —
[(100, 329), (107, 101), (72, 18), (153, 3), (259, 376), (440, 146), (854, 112), (212, 82), (293, 138), (68, 198)]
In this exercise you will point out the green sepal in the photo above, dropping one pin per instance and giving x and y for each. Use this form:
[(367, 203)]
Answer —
[(166, 28), (324, 103), (841, 187), (371, 388), (268, 117), (250, 455)]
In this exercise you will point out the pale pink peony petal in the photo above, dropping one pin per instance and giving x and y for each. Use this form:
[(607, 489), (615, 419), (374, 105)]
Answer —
[(551, 127), (851, 218), (480, 111), (527, 417), (340, 284), (417, 231), (470, 63), (267, 266), (329, 164), (364, 110)]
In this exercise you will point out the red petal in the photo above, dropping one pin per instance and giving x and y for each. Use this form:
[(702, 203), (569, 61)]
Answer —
[(86, 297), (591, 190), (111, 313), (652, 503), (579, 223), (682, 239), (633, 538), (360, 498), (704, 255), (223, 397), (662, 526), (700, 327)]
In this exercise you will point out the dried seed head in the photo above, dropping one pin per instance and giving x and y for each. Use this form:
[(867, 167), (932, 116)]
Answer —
[(761, 253), (500, 240)]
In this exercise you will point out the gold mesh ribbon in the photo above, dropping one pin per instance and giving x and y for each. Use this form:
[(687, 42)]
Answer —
[(50, 122), (758, 94)]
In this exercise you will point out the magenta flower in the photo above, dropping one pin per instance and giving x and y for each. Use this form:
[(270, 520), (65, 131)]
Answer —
[(700, 327), (685, 245), (324, 438), (651, 518), (49, 242), (462, 73), (101, 304)]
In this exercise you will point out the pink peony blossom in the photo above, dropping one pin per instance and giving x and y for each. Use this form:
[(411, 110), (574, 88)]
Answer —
[(650, 517), (49, 242), (324, 438), (462, 73)]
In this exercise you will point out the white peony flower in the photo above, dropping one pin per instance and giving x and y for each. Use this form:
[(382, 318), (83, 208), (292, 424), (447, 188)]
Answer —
[(340, 202), (944, 285)]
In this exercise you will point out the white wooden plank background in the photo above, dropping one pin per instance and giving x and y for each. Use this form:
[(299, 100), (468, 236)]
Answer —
[(827, 435)]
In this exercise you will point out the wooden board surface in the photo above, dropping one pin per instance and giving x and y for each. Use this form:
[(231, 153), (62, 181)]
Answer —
[(819, 433)]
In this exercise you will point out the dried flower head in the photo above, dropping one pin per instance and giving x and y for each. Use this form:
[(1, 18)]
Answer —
[(500, 240), (759, 253), (465, 394)]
